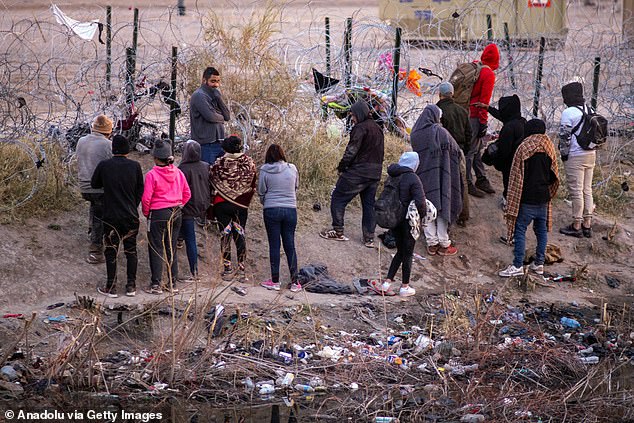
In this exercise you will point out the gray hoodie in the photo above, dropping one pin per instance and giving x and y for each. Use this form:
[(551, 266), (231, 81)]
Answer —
[(91, 149), (277, 185)]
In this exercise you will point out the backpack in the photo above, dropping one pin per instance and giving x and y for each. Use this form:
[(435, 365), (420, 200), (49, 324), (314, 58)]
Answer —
[(388, 209), (463, 79), (594, 130)]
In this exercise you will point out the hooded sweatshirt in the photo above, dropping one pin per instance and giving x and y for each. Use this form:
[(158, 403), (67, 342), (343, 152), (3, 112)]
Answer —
[(91, 149), (277, 185), (207, 114), (509, 112), (363, 158), (165, 186), (483, 87), (572, 94), (197, 174), (410, 187)]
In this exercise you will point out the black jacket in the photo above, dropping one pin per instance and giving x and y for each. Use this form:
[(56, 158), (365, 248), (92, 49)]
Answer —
[(363, 158), (456, 120), (537, 179), (122, 183), (511, 134), (197, 175), (410, 187)]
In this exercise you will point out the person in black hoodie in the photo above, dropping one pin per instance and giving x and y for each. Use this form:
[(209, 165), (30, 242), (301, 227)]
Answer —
[(122, 183), (197, 174), (509, 112), (410, 190), (359, 173)]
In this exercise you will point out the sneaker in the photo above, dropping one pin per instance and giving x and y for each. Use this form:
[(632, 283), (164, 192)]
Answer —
[(156, 289), (227, 273), (571, 231), (447, 251), (180, 243), (130, 292), (270, 285), (504, 240), (242, 274), (475, 191), (112, 293), (587, 232), (95, 258), (484, 185), (332, 234), (171, 288), (511, 271), (432, 250), (406, 291), (296, 287), (369, 243), (537, 268), (385, 286)]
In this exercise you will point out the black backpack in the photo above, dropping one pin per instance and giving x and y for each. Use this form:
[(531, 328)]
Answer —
[(594, 129), (388, 209)]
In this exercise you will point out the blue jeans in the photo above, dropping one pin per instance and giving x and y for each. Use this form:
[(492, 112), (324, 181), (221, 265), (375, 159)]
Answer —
[(188, 232), (531, 213), (344, 192), (281, 222), (210, 152)]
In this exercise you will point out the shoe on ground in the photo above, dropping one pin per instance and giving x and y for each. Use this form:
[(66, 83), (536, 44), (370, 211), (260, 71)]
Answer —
[(571, 231), (475, 191), (95, 258), (447, 251), (227, 273), (511, 271), (406, 291), (156, 289), (587, 232), (296, 287), (484, 185), (112, 293), (504, 240), (536, 268), (432, 250), (332, 234), (130, 292), (180, 243), (270, 285), (369, 243), (385, 286), (242, 274), (239, 290)]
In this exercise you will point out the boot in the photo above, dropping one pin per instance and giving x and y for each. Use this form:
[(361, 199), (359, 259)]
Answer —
[(484, 185), (475, 191)]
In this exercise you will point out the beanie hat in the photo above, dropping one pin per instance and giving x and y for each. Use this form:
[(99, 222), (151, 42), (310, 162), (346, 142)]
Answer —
[(445, 88), (162, 150), (102, 124), (409, 159), (534, 126), (232, 144), (120, 145)]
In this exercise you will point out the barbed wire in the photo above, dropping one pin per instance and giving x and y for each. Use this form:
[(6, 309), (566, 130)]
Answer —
[(51, 77)]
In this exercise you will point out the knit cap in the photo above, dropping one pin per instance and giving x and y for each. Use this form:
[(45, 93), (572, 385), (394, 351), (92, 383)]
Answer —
[(162, 150), (445, 88), (120, 145), (102, 124)]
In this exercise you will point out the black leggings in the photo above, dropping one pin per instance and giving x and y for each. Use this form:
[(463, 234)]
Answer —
[(404, 252), (233, 220)]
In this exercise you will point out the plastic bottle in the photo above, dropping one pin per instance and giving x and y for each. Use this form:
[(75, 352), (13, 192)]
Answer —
[(267, 389), (593, 359), (304, 388), (248, 384), (570, 323)]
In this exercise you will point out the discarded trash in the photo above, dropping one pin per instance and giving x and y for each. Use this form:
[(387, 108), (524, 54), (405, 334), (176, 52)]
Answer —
[(423, 342), (267, 389), (304, 388), (570, 323), (13, 315), (53, 306), (9, 373), (472, 418), (593, 359), (57, 319), (354, 386), (586, 351), (288, 379), (248, 384), (612, 281), (381, 419), (239, 290)]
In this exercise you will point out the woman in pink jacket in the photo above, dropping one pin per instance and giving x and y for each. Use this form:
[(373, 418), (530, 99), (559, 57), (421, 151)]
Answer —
[(165, 193)]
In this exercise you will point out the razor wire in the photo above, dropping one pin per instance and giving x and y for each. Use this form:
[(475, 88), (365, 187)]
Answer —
[(51, 80)]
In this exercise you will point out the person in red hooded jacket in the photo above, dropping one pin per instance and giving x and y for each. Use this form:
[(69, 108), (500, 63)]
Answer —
[(478, 116)]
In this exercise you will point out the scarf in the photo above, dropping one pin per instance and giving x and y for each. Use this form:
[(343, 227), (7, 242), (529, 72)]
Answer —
[(439, 169), (538, 143), (233, 178)]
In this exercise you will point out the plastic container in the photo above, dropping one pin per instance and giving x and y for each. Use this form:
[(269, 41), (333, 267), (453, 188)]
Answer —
[(593, 359), (304, 388), (267, 389), (570, 323)]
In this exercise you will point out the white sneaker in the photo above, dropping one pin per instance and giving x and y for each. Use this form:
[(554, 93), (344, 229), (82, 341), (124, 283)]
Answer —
[(385, 286), (537, 268), (511, 271), (406, 291)]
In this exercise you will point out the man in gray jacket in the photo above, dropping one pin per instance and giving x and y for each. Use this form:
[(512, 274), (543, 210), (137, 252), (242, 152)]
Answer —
[(92, 149), (207, 115)]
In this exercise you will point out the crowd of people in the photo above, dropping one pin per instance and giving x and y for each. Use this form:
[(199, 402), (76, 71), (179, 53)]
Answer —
[(216, 181)]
